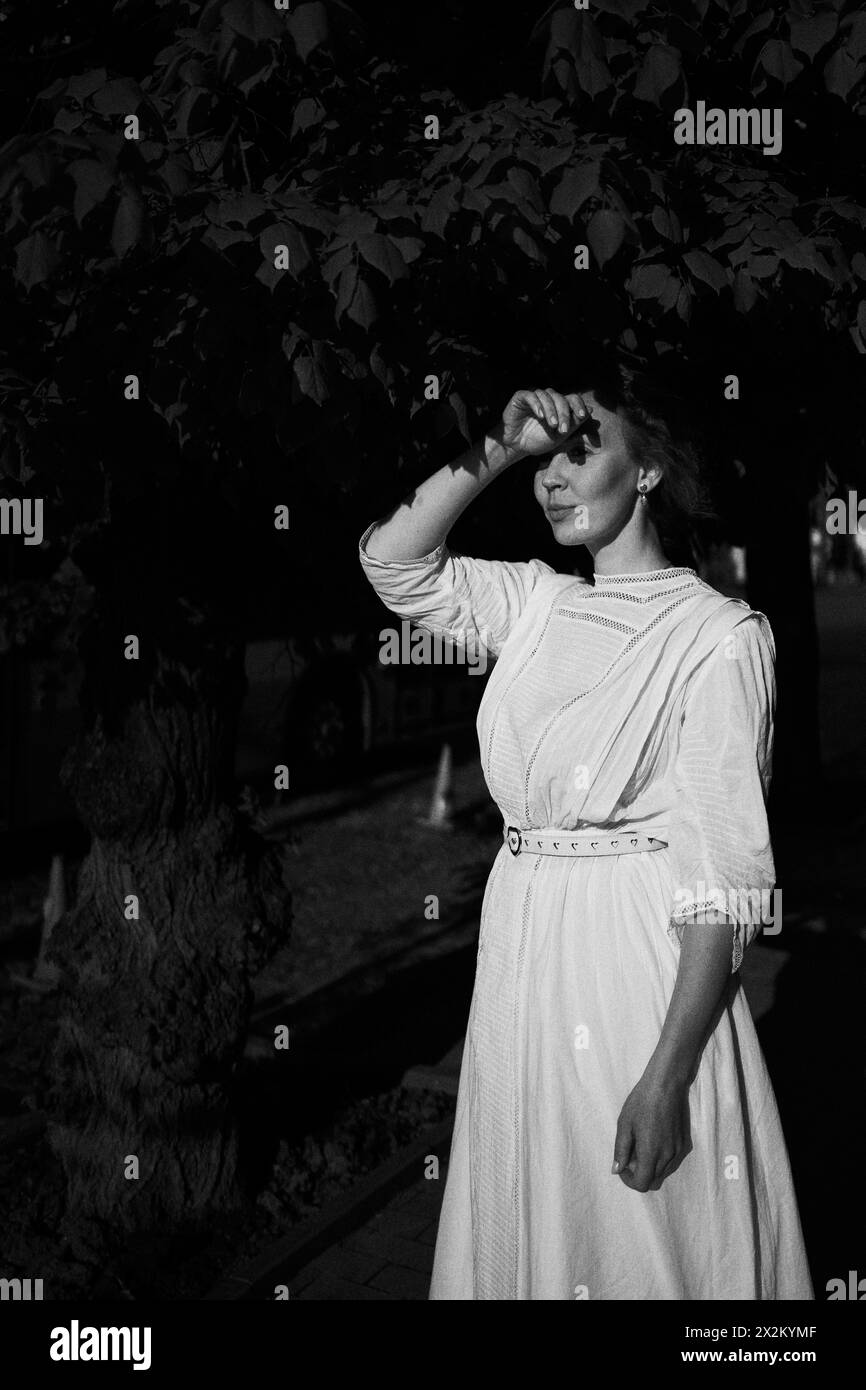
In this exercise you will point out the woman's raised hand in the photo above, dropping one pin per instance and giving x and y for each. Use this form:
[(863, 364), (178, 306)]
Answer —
[(534, 422)]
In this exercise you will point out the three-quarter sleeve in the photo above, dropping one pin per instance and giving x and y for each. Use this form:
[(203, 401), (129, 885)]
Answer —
[(467, 601), (721, 855)]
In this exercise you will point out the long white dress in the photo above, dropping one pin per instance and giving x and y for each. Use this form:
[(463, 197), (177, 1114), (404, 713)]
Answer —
[(640, 701)]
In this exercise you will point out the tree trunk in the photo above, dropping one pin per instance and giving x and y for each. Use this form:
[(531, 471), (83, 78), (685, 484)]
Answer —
[(154, 1011), (780, 585)]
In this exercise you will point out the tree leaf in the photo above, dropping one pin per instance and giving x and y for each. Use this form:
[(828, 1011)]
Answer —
[(667, 224), (649, 281), (69, 121), (238, 208), (528, 245), (380, 251), (284, 234), (684, 303), (476, 200), (757, 26), (857, 338), (311, 376), (855, 36), (356, 223), (38, 168), (120, 97), (762, 266), (437, 213), (175, 176), (57, 88), (299, 208), (192, 112), (841, 73), (625, 9), (810, 35), (308, 26), (662, 67), (573, 189), (92, 184), (503, 193), (548, 160), (393, 208), (410, 247), (622, 207), (455, 400), (705, 267), (83, 86), (335, 263), (222, 237), (564, 29), (525, 187), (605, 234), (777, 59), (35, 258), (745, 292), (592, 71), (362, 308), (670, 294), (253, 19), (382, 370), (308, 112), (128, 226), (355, 299)]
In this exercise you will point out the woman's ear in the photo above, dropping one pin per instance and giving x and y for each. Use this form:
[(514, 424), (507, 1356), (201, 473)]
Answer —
[(651, 477)]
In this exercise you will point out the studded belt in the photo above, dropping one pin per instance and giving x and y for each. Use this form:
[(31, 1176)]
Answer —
[(573, 842)]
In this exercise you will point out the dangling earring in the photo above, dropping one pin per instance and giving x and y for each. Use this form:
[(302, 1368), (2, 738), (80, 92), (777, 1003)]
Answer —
[(641, 487)]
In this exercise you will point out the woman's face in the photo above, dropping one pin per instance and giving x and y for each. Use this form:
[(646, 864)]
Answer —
[(587, 488)]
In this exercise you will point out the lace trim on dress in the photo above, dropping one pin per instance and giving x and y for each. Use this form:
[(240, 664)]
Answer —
[(710, 905), (601, 619), (629, 596), (669, 572)]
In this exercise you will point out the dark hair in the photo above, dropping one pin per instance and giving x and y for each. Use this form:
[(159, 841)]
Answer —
[(661, 429)]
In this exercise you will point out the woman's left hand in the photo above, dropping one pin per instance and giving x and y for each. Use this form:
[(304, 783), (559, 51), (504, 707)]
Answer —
[(653, 1134)]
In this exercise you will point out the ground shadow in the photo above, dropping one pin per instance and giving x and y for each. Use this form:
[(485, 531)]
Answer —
[(812, 1040)]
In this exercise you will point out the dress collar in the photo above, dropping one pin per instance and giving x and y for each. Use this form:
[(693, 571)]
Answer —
[(669, 572)]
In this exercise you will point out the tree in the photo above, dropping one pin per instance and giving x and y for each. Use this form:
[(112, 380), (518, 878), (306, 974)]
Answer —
[(244, 242)]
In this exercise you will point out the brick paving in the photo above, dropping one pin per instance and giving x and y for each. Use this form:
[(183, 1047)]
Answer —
[(390, 1257)]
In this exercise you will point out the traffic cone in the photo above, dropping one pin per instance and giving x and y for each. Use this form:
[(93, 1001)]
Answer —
[(53, 908), (441, 802), (45, 976)]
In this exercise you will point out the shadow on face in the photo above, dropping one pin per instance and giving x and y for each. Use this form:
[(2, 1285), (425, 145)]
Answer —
[(587, 485)]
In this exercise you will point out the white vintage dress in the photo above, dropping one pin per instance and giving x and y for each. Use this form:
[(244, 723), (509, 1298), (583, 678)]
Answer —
[(640, 701)]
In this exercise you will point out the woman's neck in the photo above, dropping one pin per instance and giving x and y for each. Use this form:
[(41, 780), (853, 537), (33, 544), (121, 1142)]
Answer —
[(630, 555)]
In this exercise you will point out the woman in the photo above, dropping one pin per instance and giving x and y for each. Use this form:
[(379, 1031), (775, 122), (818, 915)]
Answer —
[(616, 1136)]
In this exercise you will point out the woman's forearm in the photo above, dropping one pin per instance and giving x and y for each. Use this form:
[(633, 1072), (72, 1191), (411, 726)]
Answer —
[(704, 970), (422, 521)]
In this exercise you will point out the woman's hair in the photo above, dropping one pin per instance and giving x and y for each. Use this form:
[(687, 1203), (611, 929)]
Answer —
[(661, 430)]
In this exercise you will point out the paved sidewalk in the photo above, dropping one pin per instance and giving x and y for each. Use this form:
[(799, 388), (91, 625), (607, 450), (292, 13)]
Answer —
[(391, 1257)]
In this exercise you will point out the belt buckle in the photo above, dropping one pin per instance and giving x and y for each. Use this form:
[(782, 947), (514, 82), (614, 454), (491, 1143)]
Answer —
[(512, 839)]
